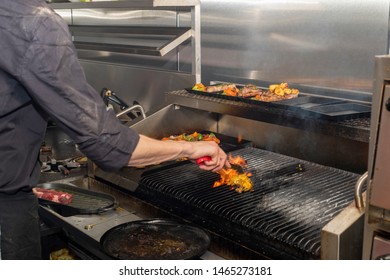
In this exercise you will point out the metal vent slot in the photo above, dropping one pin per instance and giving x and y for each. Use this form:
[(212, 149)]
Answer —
[(286, 209)]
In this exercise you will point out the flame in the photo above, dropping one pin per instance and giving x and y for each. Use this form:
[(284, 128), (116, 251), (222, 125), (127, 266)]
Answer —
[(239, 138), (225, 175), (237, 161), (240, 182)]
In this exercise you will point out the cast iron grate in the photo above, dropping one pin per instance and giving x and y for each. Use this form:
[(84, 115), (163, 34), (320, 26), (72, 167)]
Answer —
[(282, 218)]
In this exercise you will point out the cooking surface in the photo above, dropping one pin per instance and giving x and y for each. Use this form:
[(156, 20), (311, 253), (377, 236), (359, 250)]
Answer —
[(282, 217)]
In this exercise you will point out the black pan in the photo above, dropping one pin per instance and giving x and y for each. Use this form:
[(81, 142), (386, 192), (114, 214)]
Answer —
[(155, 240), (84, 201)]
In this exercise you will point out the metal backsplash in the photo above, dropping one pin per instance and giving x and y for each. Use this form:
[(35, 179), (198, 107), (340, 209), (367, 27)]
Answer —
[(318, 43), (320, 46)]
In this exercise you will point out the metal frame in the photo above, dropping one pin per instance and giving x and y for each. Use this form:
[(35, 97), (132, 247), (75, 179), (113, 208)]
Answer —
[(377, 218), (180, 35)]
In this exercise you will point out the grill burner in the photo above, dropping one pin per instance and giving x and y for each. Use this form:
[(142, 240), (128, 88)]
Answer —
[(281, 219)]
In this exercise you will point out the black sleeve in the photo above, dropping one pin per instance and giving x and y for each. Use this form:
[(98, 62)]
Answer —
[(55, 80)]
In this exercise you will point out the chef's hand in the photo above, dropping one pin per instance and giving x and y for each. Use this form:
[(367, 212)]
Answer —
[(151, 151), (218, 158)]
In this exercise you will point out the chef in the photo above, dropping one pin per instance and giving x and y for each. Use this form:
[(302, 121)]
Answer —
[(41, 78)]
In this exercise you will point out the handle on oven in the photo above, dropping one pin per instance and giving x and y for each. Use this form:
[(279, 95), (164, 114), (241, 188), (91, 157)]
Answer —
[(358, 191)]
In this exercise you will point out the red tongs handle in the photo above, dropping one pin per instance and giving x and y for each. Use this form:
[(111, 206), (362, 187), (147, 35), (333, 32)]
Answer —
[(201, 160)]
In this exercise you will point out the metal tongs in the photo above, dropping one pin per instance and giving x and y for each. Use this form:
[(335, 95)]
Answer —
[(110, 96)]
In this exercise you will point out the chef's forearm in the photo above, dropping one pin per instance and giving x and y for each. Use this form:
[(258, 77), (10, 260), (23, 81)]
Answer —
[(151, 151)]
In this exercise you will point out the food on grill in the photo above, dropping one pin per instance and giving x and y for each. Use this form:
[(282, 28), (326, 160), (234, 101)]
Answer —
[(250, 91), (236, 181), (53, 195), (196, 136), (231, 91), (275, 92), (283, 90), (199, 87), (227, 89), (236, 177), (221, 87)]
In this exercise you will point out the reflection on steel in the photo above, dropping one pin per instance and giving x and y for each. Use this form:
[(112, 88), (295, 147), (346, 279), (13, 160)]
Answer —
[(317, 43)]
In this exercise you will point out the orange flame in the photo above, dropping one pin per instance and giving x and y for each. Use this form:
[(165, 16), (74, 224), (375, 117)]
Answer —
[(240, 182), (225, 176), (237, 161), (239, 138)]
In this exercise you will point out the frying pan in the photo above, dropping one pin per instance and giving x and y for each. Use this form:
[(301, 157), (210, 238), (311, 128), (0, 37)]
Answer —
[(155, 240)]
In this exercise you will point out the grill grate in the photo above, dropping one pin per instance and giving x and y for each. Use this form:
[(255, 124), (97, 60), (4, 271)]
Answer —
[(281, 218)]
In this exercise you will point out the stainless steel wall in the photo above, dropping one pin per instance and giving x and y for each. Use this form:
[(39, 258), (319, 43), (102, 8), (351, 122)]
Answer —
[(319, 46), (321, 43)]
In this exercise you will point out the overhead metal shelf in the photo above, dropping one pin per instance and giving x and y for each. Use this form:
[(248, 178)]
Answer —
[(152, 41), (159, 40), (126, 4)]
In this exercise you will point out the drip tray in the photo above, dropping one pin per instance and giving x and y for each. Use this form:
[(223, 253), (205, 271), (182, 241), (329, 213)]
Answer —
[(340, 111)]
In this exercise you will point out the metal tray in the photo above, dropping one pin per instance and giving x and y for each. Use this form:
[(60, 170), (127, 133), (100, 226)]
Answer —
[(216, 94), (307, 101), (83, 202), (301, 101), (339, 111)]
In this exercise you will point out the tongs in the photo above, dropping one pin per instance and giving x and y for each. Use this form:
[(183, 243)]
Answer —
[(109, 95)]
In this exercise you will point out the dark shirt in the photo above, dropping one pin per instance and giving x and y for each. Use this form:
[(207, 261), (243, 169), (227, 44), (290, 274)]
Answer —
[(41, 78)]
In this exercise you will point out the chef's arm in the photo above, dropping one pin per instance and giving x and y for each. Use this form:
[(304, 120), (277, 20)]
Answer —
[(152, 151)]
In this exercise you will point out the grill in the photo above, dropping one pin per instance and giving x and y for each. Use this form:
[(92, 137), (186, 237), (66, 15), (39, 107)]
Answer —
[(281, 219)]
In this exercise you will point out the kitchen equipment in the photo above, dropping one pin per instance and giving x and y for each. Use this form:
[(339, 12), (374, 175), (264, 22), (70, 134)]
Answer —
[(83, 201), (304, 104), (339, 111), (155, 239), (284, 215), (376, 243), (282, 218)]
